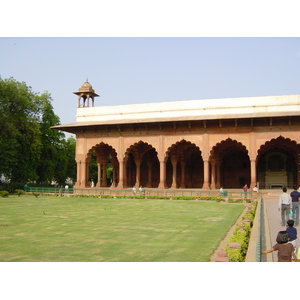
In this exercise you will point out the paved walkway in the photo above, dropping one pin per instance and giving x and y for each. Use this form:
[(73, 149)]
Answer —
[(272, 219)]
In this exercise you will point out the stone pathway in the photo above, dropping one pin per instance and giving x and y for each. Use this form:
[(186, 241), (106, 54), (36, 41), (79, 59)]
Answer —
[(273, 217)]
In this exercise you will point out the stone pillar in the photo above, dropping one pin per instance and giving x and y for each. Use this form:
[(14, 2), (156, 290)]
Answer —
[(104, 181), (206, 174), (121, 175), (79, 181), (138, 172), (162, 174), (82, 174), (174, 173), (86, 174), (99, 175), (213, 174), (253, 173), (114, 175)]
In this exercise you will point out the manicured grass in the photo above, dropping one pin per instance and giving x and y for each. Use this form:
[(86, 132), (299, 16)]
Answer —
[(62, 229)]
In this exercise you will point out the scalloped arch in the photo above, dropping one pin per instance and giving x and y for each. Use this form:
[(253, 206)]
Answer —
[(225, 146), (282, 143), (139, 148), (177, 144), (104, 148)]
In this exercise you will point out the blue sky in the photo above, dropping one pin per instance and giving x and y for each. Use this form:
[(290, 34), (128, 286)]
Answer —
[(146, 70)]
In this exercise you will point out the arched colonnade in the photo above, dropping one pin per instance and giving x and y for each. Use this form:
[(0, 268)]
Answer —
[(229, 163)]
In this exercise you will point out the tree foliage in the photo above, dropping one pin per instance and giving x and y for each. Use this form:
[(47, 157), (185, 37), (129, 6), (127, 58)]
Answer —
[(30, 151)]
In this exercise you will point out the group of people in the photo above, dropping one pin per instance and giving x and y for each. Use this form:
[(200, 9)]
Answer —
[(245, 190), (140, 191), (287, 240)]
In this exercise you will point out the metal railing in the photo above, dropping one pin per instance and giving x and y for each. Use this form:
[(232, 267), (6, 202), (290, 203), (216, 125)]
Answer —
[(165, 192), (146, 192), (49, 190), (259, 229)]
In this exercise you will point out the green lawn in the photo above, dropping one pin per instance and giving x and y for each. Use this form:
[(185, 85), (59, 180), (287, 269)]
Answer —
[(48, 229)]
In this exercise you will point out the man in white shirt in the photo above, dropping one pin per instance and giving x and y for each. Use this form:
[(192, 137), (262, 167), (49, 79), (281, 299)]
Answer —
[(284, 205)]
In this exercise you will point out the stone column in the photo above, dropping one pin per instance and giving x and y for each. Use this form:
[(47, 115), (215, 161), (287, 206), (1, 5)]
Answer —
[(138, 172), (86, 175), (213, 174), (104, 181), (121, 174), (99, 175), (206, 174), (162, 174), (174, 173), (253, 173), (114, 175), (78, 183)]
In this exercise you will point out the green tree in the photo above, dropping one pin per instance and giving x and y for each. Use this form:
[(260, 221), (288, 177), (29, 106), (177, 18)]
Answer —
[(71, 163), (29, 149), (52, 150), (20, 144)]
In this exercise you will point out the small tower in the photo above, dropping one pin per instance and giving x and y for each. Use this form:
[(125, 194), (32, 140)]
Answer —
[(86, 92)]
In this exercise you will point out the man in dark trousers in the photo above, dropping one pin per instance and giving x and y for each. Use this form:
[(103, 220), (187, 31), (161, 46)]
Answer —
[(295, 205)]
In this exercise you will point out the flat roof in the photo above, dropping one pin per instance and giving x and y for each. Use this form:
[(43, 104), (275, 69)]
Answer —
[(188, 110)]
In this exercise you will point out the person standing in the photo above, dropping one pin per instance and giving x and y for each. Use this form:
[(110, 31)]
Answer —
[(292, 231), (221, 192), (255, 189), (245, 189), (284, 205), (295, 205), (133, 191), (141, 190)]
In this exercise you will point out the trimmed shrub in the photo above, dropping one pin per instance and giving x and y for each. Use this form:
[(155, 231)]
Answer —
[(4, 194), (159, 197), (107, 196), (19, 192), (230, 200), (210, 198), (238, 255), (129, 197), (184, 198)]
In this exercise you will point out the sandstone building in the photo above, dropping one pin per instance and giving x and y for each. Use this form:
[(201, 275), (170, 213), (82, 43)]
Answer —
[(203, 144)]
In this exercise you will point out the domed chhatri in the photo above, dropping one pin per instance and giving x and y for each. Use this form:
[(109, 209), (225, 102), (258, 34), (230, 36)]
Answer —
[(86, 92)]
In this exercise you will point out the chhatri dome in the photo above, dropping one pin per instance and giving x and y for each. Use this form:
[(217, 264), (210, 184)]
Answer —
[(86, 92)]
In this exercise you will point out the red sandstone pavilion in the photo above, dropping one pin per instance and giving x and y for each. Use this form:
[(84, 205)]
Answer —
[(201, 144)]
